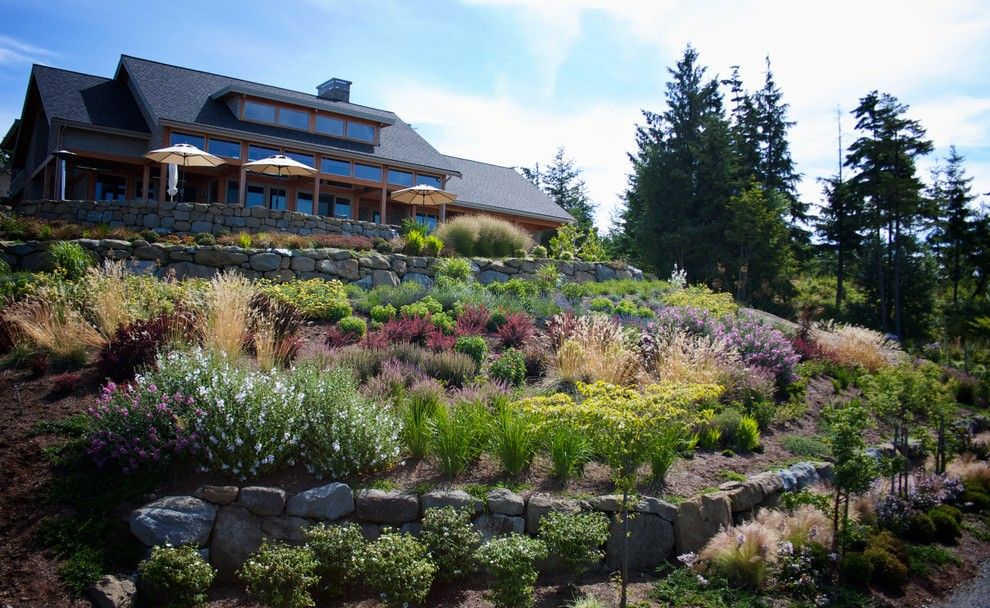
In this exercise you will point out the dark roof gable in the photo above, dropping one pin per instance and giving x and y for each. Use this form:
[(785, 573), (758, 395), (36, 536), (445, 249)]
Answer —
[(190, 96), (87, 99), (493, 187)]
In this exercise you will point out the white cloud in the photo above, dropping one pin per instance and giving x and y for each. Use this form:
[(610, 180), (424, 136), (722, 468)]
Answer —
[(13, 51)]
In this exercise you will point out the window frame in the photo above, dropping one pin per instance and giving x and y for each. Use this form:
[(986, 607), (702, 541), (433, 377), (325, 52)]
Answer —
[(273, 106), (278, 118)]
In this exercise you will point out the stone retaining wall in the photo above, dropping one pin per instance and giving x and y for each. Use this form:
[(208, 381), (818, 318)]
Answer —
[(366, 268), (229, 523), (194, 218)]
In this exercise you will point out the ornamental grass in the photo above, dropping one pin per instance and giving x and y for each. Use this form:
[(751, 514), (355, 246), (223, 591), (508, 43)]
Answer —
[(228, 314), (47, 322), (858, 346), (674, 355)]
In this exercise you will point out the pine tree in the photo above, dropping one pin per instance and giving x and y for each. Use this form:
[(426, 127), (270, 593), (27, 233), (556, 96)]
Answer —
[(954, 232), (777, 170), (887, 186), (762, 262), (562, 182), (838, 226)]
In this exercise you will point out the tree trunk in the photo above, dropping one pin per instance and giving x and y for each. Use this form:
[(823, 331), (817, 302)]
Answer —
[(625, 547), (898, 328), (881, 283)]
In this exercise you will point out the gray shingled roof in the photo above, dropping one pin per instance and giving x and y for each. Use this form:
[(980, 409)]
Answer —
[(496, 188), (87, 99), (183, 95)]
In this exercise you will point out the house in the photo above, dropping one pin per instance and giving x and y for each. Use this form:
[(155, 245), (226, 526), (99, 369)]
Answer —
[(362, 154)]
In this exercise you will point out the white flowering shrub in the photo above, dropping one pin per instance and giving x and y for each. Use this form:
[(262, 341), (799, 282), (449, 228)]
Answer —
[(344, 432), (247, 421)]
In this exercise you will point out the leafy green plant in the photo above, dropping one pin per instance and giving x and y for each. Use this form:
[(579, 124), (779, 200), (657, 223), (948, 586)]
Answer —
[(399, 568), (575, 539), (855, 569), (355, 326), (509, 367), (539, 251), (948, 523), (452, 447), (178, 577), (926, 559), (511, 560), (381, 313), (514, 440), (418, 410), (474, 346), (315, 298), (451, 541), (70, 259), (747, 435), (455, 269), (804, 445), (339, 553), (666, 446), (280, 575)]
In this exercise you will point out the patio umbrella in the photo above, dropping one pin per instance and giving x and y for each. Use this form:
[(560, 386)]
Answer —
[(279, 165), (186, 155), (426, 196)]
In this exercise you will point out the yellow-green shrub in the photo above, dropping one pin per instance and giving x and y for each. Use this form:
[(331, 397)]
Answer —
[(315, 298), (700, 296)]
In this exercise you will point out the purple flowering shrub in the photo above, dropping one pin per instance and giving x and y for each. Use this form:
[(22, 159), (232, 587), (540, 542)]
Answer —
[(761, 345), (894, 512), (135, 426)]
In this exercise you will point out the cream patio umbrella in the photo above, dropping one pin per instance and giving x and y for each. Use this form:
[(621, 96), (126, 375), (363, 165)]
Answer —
[(279, 165), (186, 155), (426, 196)]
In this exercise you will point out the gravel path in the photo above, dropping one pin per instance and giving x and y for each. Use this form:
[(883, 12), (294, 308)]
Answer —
[(971, 594)]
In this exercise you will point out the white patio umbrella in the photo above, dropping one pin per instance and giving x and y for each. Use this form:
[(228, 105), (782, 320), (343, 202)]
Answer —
[(425, 196), (279, 165), (186, 155)]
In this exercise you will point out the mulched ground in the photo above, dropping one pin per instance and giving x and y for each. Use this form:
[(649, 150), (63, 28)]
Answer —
[(29, 574)]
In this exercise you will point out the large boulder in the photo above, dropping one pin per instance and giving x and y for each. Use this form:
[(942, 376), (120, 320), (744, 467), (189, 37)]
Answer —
[(699, 519), (237, 534), (218, 495), (383, 507), (112, 592), (262, 501), (505, 502), (329, 502), (459, 499), (541, 504), (219, 258), (496, 524), (263, 262), (651, 539), (175, 520), (286, 528), (743, 495)]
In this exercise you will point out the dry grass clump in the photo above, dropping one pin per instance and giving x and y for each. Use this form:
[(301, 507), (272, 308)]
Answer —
[(857, 346), (594, 348), (806, 525), (228, 314), (970, 469), (483, 235), (50, 324), (742, 555), (109, 298), (676, 356)]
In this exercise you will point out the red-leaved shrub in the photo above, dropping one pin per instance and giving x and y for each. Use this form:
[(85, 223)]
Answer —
[(340, 241), (136, 345), (473, 321), (64, 384), (335, 338), (403, 330), (516, 331)]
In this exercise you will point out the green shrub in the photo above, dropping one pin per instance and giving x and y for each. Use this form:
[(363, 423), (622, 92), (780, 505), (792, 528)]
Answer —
[(565, 256), (452, 447), (856, 570), (455, 269), (82, 568), (511, 560), (727, 421), (355, 326), (382, 313), (747, 435), (417, 410), (451, 541), (539, 251), (888, 556), (70, 259), (339, 553), (280, 575), (432, 246), (920, 528), (803, 445), (205, 238), (601, 304), (422, 308), (483, 235), (177, 577), (398, 567), (569, 449), (315, 298), (444, 322), (927, 559), (453, 368), (509, 367), (666, 446), (575, 539), (700, 296), (948, 523), (475, 347)]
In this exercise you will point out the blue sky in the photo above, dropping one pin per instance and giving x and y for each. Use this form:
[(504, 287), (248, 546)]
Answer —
[(507, 81)]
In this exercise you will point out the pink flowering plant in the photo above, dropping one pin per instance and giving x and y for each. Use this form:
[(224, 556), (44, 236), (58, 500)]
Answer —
[(137, 426)]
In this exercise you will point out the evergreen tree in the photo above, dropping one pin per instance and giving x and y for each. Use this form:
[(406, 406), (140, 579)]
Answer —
[(745, 129), (777, 170), (838, 226), (954, 227), (887, 186), (562, 182)]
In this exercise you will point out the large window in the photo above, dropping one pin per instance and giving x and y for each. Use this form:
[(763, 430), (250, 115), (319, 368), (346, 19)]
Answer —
[(186, 138), (260, 152), (294, 119), (427, 180), (335, 167), (369, 172), (334, 205), (329, 125), (255, 196), (111, 188), (233, 191), (360, 131), (307, 159), (304, 202), (222, 147), (276, 199), (400, 178), (261, 112)]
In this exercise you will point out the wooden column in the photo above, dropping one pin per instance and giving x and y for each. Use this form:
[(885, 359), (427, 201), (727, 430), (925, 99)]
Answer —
[(443, 212), (290, 195), (316, 194), (162, 182), (242, 188), (145, 183), (384, 218)]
